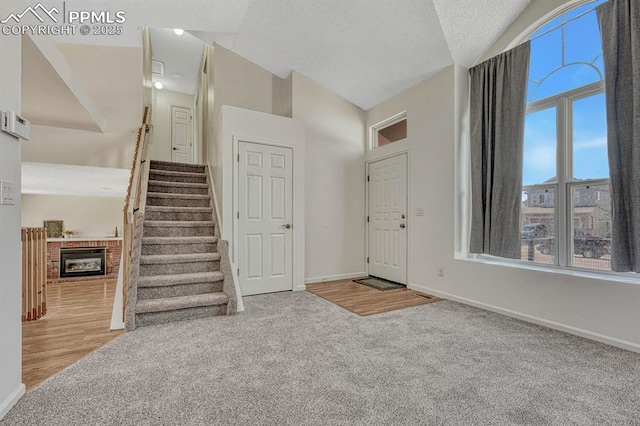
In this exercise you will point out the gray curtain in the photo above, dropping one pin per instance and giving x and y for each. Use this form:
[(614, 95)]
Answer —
[(497, 114), (620, 27)]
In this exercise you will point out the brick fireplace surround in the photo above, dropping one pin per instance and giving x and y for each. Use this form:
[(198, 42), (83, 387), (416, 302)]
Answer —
[(114, 250)]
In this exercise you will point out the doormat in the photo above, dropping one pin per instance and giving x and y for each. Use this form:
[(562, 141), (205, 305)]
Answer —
[(379, 283)]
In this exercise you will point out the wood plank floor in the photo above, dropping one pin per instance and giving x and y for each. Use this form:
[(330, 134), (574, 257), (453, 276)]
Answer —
[(77, 323), (363, 300)]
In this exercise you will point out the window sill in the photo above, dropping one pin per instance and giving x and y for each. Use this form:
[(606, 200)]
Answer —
[(594, 275)]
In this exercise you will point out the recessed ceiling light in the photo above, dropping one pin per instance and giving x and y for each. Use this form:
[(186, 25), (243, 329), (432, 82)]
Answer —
[(178, 31), (158, 85)]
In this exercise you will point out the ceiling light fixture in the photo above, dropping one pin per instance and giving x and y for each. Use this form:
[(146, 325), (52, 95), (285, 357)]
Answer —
[(178, 31), (158, 85)]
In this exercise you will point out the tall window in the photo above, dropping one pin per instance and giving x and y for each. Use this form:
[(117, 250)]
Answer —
[(566, 210)]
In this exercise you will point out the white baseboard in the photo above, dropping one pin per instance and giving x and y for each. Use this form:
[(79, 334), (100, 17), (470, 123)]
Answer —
[(335, 278), (117, 322), (11, 400), (236, 284), (619, 343), (300, 288)]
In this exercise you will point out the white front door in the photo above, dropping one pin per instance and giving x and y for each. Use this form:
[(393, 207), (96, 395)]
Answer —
[(181, 140), (265, 228), (388, 219)]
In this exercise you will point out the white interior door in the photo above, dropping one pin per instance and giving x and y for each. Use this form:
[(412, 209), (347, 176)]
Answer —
[(388, 219), (265, 208), (181, 140)]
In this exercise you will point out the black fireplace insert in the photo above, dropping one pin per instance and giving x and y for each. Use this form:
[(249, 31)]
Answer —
[(82, 261)]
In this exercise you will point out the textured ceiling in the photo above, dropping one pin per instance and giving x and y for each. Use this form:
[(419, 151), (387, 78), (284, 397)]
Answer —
[(182, 57), (60, 179), (364, 50)]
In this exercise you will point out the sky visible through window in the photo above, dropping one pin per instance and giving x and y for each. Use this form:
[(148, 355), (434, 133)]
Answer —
[(557, 67)]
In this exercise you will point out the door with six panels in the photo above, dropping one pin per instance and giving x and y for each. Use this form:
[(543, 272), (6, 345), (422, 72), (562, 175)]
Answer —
[(265, 229)]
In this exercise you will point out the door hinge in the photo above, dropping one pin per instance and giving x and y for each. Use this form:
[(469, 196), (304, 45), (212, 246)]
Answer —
[(367, 260), (367, 219), (238, 271), (237, 215), (238, 158), (367, 178)]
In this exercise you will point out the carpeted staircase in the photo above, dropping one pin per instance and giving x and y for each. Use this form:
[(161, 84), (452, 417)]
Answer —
[(180, 271)]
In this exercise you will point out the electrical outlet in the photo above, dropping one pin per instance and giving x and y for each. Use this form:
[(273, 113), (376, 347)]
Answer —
[(441, 272), (7, 193), (419, 211)]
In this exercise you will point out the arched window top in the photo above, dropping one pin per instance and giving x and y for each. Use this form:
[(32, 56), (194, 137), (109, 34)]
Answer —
[(566, 53)]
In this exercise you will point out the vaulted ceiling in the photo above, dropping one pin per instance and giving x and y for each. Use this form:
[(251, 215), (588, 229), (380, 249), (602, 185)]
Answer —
[(364, 50)]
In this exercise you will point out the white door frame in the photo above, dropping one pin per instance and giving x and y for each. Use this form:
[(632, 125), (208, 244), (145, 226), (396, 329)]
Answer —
[(374, 159), (297, 247)]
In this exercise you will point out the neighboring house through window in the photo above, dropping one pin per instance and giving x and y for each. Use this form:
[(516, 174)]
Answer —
[(566, 172)]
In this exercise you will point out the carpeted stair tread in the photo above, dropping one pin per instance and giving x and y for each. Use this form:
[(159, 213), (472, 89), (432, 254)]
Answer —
[(178, 167), (176, 173), (179, 196), (178, 184), (164, 259), (180, 279), (179, 240), (170, 209), (177, 223), (182, 302)]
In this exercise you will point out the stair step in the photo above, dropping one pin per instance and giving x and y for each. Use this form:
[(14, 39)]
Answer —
[(178, 240), (180, 279), (179, 196), (157, 186), (154, 318), (177, 200), (179, 245), (159, 213), (173, 264), (177, 223), (169, 176), (177, 167), (171, 209), (165, 259), (170, 228), (182, 302)]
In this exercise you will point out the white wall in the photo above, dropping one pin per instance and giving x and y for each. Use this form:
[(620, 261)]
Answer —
[(234, 81), (163, 100), (604, 310), (11, 387), (85, 216), (251, 126), (335, 181), (238, 82), (78, 147)]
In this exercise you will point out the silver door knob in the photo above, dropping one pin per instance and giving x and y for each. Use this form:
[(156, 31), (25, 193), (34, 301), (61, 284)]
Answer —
[(287, 226), (402, 225)]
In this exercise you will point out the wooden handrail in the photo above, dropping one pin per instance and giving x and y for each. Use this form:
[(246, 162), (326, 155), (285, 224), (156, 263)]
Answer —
[(136, 197)]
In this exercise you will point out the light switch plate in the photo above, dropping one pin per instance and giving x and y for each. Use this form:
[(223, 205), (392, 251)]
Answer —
[(7, 193)]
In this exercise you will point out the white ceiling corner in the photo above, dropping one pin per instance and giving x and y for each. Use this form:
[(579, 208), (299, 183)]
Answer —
[(472, 26), (182, 57)]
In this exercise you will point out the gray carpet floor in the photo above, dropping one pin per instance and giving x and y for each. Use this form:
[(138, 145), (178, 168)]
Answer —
[(294, 358)]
